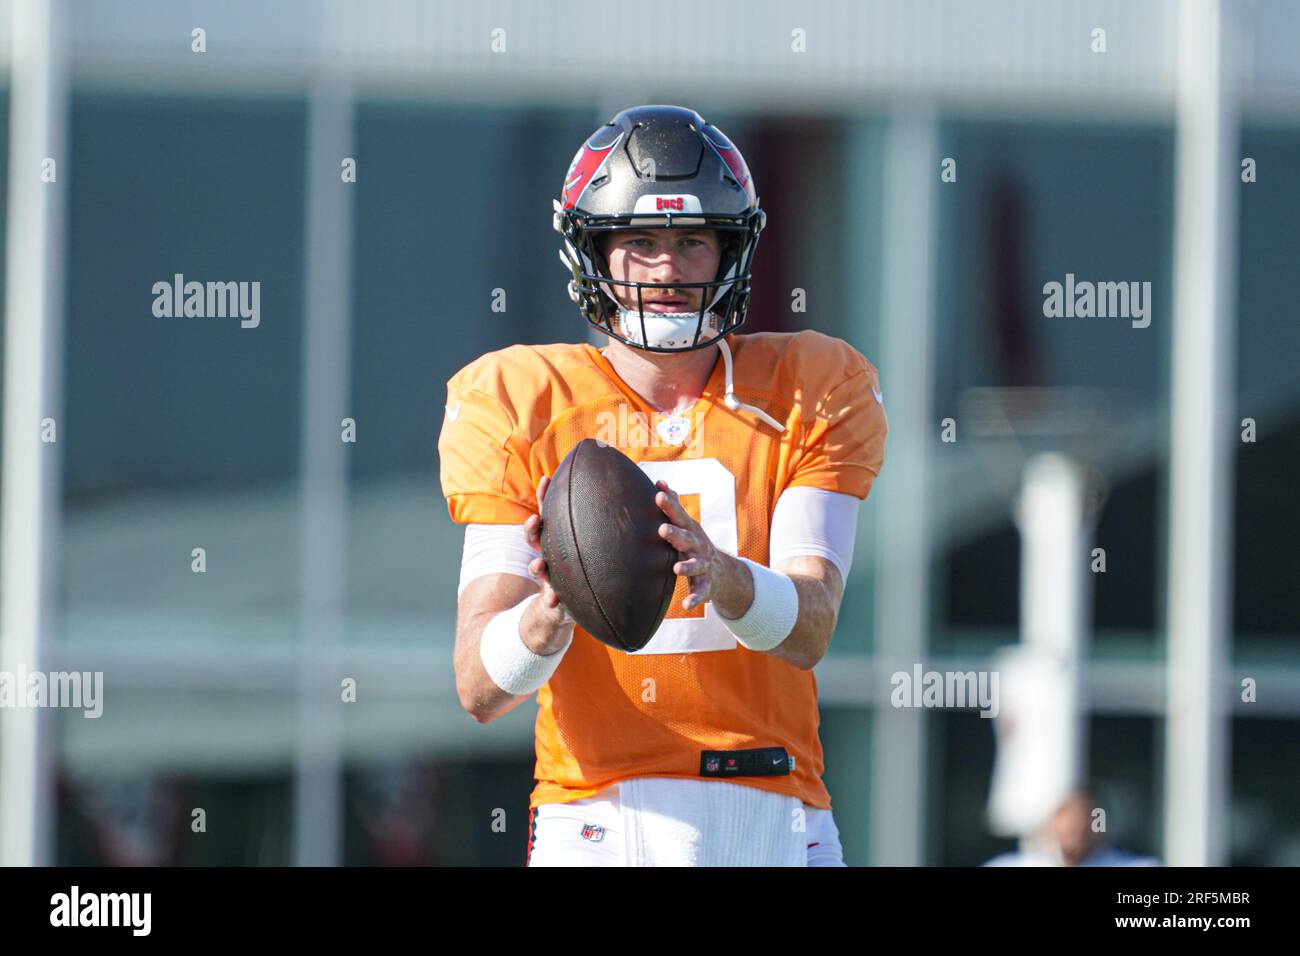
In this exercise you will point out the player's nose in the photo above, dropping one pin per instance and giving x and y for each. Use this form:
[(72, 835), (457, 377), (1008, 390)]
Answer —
[(666, 268)]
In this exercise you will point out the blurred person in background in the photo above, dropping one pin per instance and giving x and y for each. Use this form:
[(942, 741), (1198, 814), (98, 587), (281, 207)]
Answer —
[(1069, 839)]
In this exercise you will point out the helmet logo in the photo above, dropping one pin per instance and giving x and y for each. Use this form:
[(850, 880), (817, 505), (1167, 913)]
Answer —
[(583, 170), (735, 164), (678, 202)]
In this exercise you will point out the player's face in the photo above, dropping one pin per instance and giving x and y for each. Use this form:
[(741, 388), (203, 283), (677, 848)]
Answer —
[(1071, 828), (664, 255)]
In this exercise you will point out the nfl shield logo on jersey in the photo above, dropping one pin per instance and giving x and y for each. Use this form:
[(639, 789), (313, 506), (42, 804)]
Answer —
[(712, 764), (592, 832), (674, 430)]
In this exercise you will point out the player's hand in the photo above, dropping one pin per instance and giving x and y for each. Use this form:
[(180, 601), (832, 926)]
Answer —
[(712, 573), (555, 613)]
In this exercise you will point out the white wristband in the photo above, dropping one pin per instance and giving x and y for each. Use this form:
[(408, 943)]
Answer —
[(772, 615), (508, 660)]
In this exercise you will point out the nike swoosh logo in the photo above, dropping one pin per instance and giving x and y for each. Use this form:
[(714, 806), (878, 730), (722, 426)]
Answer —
[(880, 399), (453, 412)]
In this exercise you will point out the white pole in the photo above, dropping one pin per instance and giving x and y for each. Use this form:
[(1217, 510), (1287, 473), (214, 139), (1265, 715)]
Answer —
[(38, 176), (318, 773), (897, 836), (1200, 536)]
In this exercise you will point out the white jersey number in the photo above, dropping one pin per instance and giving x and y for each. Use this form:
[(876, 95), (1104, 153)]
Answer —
[(716, 487)]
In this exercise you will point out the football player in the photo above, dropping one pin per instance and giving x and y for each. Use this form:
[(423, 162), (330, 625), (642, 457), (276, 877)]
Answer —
[(701, 748)]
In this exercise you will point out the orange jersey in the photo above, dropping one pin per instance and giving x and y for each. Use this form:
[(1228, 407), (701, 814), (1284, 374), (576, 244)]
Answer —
[(605, 715)]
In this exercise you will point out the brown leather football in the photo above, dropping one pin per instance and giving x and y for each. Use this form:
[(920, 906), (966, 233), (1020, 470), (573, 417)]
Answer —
[(600, 538)]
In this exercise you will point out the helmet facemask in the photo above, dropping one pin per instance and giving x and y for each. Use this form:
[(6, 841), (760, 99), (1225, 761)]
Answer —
[(723, 300)]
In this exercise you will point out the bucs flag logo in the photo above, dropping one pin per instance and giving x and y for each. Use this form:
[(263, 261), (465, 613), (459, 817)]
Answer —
[(586, 163)]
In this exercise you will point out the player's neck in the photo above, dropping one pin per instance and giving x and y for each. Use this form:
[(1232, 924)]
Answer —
[(667, 382)]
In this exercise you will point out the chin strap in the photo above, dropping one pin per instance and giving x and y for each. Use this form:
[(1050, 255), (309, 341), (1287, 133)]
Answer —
[(730, 399)]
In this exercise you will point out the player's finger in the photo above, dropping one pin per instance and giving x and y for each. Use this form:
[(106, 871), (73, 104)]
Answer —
[(541, 491), (549, 596), (667, 490), (701, 588), (558, 610), (672, 507), (679, 538), (533, 530), (689, 569)]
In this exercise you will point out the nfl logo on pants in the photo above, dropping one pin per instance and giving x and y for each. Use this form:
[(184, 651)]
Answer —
[(592, 832)]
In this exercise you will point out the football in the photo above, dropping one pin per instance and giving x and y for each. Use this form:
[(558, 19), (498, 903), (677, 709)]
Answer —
[(600, 539)]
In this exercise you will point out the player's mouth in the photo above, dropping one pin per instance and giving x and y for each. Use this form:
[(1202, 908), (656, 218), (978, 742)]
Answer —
[(667, 305)]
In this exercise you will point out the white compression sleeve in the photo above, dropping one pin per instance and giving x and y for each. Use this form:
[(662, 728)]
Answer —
[(494, 549), (817, 522)]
